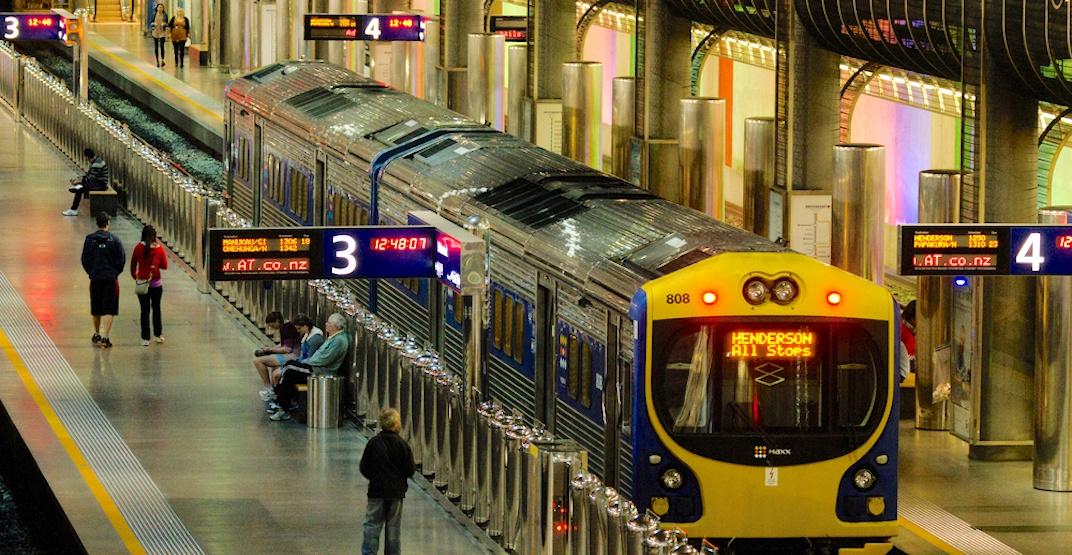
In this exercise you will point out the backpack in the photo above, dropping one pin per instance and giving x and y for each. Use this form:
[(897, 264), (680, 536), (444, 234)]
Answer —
[(178, 33)]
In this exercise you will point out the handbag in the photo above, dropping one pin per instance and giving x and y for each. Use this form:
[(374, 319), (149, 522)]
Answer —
[(141, 286)]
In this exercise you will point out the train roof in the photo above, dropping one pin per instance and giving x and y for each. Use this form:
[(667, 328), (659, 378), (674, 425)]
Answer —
[(585, 223)]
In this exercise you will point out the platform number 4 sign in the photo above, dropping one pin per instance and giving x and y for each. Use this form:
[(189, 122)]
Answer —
[(1031, 252), (770, 476)]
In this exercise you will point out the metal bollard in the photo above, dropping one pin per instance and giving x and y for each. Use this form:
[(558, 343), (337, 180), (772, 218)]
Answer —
[(557, 461), (394, 370), (637, 531), (517, 438), (502, 422), (384, 338), (443, 385), (580, 525), (457, 483), (685, 549), (410, 402), (664, 542), (428, 421), (417, 406), (599, 501), (470, 454), (485, 415)]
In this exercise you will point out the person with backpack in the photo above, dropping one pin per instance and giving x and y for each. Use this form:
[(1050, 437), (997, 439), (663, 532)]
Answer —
[(180, 31), (146, 263), (95, 179), (103, 259)]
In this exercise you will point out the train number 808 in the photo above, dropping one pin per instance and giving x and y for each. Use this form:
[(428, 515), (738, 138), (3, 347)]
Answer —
[(677, 298)]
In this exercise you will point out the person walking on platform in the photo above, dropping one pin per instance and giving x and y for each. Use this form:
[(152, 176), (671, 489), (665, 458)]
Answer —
[(326, 360), (159, 31), (180, 31), (95, 179), (103, 259), (387, 463), (146, 263)]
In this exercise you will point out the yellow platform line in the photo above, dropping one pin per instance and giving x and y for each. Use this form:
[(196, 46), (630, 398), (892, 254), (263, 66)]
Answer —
[(95, 486), (189, 101), (928, 537)]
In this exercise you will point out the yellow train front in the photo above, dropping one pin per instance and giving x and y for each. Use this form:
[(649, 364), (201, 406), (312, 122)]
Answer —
[(766, 410)]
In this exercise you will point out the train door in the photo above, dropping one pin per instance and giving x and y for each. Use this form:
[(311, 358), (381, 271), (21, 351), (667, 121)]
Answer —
[(258, 173), (546, 350), (319, 178), (612, 403)]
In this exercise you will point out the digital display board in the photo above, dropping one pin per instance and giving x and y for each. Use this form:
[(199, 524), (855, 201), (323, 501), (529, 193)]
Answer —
[(322, 253), (770, 344), (515, 28), (368, 27), (970, 249), (33, 26)]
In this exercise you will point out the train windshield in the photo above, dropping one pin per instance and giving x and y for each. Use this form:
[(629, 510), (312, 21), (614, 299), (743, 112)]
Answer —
[(769, 384)]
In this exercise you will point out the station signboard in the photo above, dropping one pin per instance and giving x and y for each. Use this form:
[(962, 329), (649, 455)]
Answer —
[(33, 26), (515, 28), (366, 27), (985, 249)]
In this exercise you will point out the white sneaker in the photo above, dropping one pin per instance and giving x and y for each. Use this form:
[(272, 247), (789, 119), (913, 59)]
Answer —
[(144, 342), (280, 415), (267, 395), (159, 339), (70, 212)]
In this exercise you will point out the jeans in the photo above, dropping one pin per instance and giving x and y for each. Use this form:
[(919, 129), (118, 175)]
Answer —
[(180, 52), (381, 513), (151, 298)]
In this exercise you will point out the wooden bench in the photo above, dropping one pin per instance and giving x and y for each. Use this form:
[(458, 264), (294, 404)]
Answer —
[(106, 201)]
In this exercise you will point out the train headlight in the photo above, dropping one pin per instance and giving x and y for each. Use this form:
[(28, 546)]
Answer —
[(755, 291), (672, 479), (784, 291), (864, 479)]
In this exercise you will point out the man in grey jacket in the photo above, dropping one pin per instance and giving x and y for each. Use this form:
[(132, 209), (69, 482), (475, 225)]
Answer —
[(326, 360)]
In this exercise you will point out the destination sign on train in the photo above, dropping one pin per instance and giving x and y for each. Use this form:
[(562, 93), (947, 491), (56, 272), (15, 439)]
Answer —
[(322, 253), (369, 27), (33, 26), (767, 344), (985, 249)]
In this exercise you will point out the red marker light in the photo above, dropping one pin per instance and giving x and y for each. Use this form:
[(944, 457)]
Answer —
[(710, 297), (833, 297)]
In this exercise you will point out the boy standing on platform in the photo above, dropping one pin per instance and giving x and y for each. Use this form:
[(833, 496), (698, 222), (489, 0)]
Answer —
[(387, 463), (103, 259)]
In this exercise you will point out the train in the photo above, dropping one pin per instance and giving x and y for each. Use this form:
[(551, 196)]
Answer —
[(737, 389)]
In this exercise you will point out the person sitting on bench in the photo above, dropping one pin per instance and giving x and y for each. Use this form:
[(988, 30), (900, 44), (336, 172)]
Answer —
[(95, 179), (327, 359)]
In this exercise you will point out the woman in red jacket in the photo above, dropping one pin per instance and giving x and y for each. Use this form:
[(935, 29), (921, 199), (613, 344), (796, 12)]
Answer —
[(146, 263)]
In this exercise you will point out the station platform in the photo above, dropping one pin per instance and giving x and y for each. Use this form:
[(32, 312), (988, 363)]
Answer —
[(166, 448)]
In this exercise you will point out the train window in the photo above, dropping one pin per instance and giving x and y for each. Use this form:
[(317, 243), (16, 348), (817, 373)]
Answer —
[(459, 307), (497, 326), (586, 377), (519, 332), (572, 366), (508, 325)]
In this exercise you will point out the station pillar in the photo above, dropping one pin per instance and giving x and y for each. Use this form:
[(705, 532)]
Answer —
[(485, 78), (517, 87), (1053, 374), (283, 24), (622, 122), (663, 55), (582, 110), (758, 170), (458, 19), (702, 146), (858, 200), (552, 39), (939, 203), (1008, 151)]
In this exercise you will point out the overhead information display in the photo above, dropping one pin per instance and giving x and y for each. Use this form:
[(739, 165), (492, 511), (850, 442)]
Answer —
[(368, 27), (321, 253), (33, 26), (982, 249), (515, 28)]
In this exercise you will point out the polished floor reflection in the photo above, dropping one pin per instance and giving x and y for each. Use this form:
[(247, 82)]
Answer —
[(188, 408)]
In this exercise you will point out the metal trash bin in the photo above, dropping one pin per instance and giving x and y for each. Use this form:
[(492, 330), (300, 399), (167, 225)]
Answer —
[(325, 392)]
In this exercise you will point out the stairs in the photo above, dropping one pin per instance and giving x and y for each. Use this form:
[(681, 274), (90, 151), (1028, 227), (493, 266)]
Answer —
[(108, 11)]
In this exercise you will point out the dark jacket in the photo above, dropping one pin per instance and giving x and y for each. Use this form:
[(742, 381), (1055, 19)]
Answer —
[(387, 463), (189, 26), (103, 256)]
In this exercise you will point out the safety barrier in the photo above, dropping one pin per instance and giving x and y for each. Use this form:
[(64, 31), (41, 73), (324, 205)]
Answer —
[(530, 490)]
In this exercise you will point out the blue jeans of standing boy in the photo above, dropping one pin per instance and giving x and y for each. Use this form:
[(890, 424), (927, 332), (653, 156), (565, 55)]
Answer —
[(383, 513)]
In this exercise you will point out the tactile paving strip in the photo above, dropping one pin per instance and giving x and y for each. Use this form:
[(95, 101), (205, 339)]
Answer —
[(949, 528), (138, 498)]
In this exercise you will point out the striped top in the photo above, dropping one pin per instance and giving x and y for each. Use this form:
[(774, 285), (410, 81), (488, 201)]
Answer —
[(97, 176)]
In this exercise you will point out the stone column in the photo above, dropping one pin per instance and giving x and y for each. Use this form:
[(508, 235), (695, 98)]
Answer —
[(552, 37), (458, 19)]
